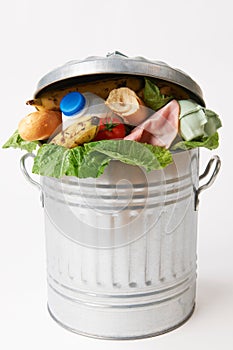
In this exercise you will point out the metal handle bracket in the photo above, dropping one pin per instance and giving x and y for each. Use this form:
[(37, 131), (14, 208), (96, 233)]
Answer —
[(215, 159), (28, 177)]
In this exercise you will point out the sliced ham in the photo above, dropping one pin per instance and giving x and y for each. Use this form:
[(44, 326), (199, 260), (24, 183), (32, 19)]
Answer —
[(160, 129)]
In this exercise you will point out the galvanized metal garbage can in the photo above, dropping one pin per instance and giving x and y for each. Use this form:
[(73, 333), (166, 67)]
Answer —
[(121, 249)]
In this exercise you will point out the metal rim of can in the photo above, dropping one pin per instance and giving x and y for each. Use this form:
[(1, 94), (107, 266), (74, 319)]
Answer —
[(118, 64)]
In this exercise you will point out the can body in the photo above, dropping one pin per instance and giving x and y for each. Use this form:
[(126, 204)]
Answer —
[(121, 249)]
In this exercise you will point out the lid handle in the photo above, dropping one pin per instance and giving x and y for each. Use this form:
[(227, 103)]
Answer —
[(115, 53)]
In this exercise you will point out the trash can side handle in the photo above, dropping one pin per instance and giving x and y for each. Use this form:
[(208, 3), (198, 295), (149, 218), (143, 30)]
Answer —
[(214, 160), (28, 177)]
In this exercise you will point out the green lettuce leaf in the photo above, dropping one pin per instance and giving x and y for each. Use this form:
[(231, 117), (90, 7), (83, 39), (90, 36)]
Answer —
[(196, 121), (93, 164), (192, 120), (91, 159), (212, 124), (210, 142), (16, 141), (132, 152), (152, 96), (57, 161)]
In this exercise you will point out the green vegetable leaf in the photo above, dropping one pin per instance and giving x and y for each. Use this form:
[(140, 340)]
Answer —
[(152, 96), (212, 124), (91, 159), (57, 161), (210, 142), (192, 120), (93, 164), (16, 141), (132, 152)]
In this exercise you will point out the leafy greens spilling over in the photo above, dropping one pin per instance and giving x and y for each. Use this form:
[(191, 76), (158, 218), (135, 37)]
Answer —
[(210, 142), (91, 159), (197, 122), (16, 141), (198, 126), (153, 97)]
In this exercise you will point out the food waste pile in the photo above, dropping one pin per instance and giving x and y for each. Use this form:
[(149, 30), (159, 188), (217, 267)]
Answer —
[(78, 130)]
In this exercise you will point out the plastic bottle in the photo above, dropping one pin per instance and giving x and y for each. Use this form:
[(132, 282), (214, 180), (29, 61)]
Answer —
[(76, 104)]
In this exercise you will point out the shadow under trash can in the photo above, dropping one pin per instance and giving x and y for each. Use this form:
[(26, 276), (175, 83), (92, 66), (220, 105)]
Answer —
[(121, 248)]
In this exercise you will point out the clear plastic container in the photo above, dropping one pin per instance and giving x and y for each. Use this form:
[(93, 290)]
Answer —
[(76, 104)]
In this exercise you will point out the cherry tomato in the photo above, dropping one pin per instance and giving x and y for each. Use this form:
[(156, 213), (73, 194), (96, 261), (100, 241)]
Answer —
[(109, 129)]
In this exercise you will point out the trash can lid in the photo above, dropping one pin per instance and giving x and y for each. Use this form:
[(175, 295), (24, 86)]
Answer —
[(118, 63)]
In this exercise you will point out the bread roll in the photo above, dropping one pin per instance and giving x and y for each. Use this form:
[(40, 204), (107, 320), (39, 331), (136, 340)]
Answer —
[(125, 103), (39, 125)]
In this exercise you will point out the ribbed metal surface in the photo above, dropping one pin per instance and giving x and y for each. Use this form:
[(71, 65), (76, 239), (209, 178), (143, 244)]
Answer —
[(116, 63), (121, 249)]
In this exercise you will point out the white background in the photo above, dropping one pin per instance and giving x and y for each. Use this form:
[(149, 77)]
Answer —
[(37, 36)]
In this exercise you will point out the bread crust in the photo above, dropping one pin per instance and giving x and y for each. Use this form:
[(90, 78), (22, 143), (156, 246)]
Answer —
[(39, 125)]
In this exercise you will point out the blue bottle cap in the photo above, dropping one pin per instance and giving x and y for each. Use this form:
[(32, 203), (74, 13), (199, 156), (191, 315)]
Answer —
[(72, 103)]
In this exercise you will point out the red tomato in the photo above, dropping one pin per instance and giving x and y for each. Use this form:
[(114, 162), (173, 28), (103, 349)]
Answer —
[(110, 128)]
